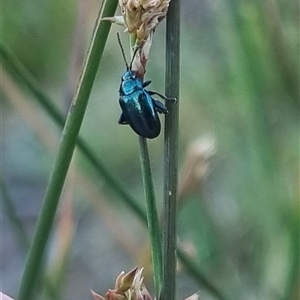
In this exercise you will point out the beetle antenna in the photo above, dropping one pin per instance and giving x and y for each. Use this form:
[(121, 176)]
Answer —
[(123, 53), (134, 54)]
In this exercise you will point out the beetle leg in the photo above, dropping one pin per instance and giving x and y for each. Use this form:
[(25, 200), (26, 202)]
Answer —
[(161, 96), (122, 120), (159, 107), (146, 83)]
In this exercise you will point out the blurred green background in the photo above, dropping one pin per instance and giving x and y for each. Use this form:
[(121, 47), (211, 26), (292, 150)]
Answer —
[(239, 101)]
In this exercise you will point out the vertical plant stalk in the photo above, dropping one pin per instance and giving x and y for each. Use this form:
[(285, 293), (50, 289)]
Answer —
[(152, 215), (151, 209), (64, 156), (171, 151)]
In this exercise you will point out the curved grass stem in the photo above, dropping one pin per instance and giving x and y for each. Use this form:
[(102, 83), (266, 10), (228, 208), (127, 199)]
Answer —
[(64, 156), (152, 216), (17, 69)]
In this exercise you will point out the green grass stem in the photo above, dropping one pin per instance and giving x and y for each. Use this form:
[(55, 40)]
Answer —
[(152, 215), (171, 151), (65, 153), (17, 69)]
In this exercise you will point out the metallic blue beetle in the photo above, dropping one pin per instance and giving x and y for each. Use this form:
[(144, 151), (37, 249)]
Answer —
[(139, 109)]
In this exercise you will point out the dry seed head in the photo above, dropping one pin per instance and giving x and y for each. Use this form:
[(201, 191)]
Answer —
[(113, 295), (142, 16), (125, 281), (4, 297), (193, 297), (97, 296), (196, 165), (136, 288), (128, 286)]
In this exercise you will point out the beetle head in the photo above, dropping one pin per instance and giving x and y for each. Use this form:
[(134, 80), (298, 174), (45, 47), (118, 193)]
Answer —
[(129, 75)]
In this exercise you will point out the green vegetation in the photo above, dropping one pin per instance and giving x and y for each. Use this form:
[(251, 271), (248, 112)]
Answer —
[(238, 224)]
